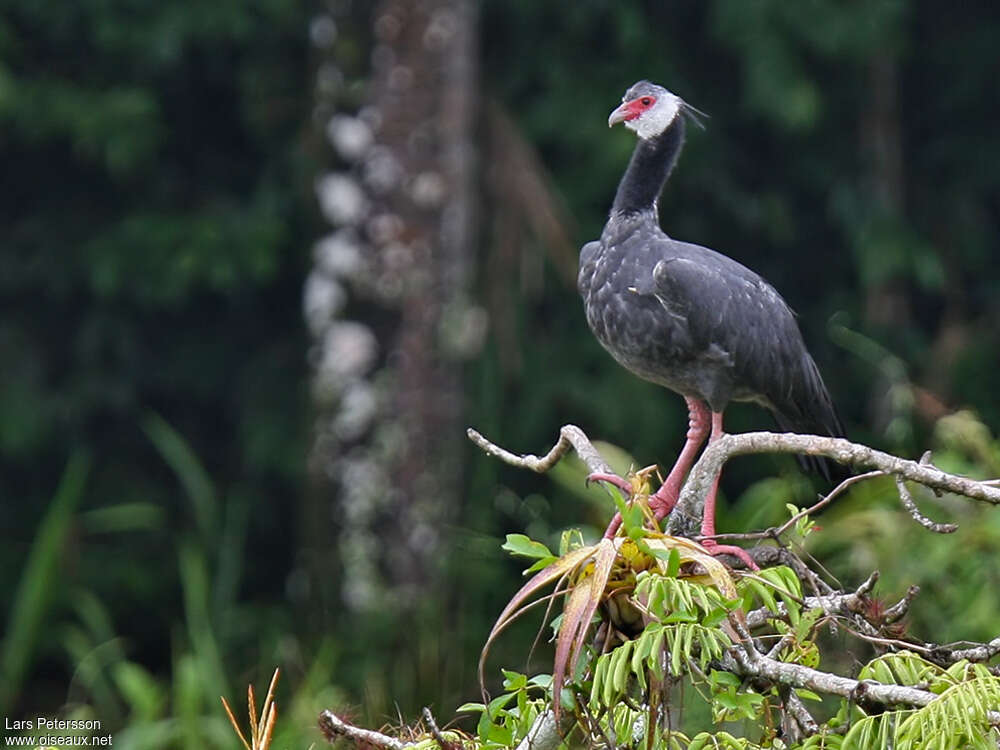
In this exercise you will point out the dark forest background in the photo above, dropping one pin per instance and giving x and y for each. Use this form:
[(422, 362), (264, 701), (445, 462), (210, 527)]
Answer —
[(177, 517)]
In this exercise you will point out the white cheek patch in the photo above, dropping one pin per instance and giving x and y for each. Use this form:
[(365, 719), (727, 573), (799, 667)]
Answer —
[(655, 120)]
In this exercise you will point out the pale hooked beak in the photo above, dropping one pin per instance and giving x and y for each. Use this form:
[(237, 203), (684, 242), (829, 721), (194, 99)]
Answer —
[(621, 114)]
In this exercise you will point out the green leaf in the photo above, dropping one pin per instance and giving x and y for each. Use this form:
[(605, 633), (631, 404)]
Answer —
[(498, 703), (519, 544), (680, 615), (470, 707), (542, 562), (39, 580), (514, 680), (674, 563), (718, 677), (716, 616)]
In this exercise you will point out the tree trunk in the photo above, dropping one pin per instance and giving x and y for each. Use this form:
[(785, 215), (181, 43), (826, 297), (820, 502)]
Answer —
[(387, 303)]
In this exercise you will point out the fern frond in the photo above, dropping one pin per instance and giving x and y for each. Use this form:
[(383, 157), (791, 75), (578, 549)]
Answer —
[(678, 599), (720, 741), (659, 646), (763, 585), (906, 668), (959, 719)]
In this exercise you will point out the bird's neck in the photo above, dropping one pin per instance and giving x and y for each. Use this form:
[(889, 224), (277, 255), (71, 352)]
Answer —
[(648, 170)]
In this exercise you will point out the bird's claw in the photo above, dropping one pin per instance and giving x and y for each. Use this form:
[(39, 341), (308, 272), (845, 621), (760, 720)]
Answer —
[(622, 484), (714, 548)]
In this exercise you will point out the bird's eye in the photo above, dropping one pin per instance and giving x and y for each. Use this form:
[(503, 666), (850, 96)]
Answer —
[(646, 101)]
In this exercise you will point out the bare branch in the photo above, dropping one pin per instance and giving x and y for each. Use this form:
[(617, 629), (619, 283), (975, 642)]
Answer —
[(863, 692), (570, 436), (916, 515), (687, 514), (979, 652), (335, 728), (829, 498), (775, 531), (897, 611), (838, 603), (800, 713), (432, 727)]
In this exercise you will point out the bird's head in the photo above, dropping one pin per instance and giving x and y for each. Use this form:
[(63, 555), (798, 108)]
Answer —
[(649, 109)]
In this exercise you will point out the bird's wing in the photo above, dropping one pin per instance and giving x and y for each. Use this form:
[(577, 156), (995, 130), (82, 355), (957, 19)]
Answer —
[(588, 253), (737, 311), (735, 315)]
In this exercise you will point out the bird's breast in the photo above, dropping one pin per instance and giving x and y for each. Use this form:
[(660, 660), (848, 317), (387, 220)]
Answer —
[(636, 326)]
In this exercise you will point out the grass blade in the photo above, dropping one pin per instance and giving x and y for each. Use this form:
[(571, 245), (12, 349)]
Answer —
[(37, 581)]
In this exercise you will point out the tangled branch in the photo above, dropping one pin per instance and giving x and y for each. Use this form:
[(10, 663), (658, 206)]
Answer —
[(855, 609), (686, 516), (748, 658)]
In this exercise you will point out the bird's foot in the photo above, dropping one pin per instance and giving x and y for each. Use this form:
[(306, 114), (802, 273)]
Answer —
[(663, 500), (623, 484), (714, 549)]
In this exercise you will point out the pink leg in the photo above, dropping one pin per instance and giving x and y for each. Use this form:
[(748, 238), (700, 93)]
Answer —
[(665, 498), (708, 518)]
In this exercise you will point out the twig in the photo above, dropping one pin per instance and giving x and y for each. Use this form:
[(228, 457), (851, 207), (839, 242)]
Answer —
[(898, 610), (435, 731), (980, 652), (783, 642), (907, 499), (838, 603), (776, 531), (334, 728), (829, 498), (767, 556), (570, 436)]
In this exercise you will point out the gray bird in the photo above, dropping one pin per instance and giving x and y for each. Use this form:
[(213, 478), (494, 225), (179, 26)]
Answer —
[(689, 318)]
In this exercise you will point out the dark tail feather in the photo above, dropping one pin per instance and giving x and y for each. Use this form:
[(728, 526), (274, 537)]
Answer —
[(811, 412)]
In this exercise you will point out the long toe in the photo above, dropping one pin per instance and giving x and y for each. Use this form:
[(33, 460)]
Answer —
[(622, 484), (715, 548)]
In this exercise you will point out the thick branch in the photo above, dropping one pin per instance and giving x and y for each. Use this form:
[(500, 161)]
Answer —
[(979, 652), (864, 692), (687, 514), (745, 660)]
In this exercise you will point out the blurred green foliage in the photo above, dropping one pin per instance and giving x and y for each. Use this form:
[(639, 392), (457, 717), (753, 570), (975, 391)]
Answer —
[(157, 220), (158, 163)]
